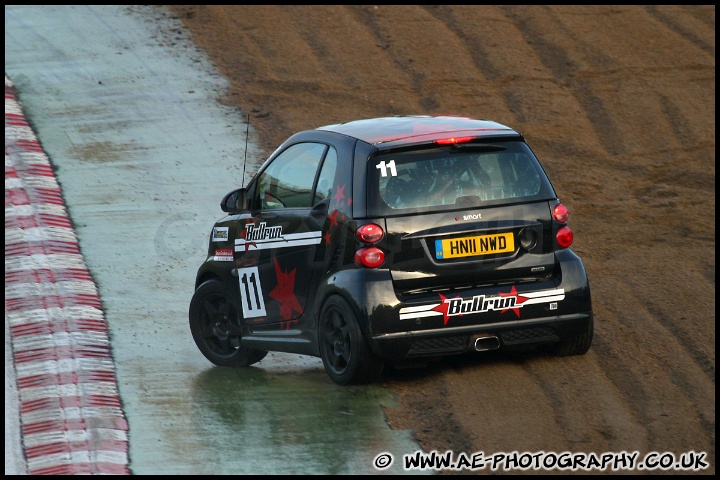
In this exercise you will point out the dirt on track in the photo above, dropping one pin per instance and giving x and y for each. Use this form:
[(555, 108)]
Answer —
[(618, 103)]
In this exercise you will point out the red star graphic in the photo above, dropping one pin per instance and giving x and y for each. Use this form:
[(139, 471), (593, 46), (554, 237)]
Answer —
[(340, 194), (284, 292), (326, 237), (291, 323), (443, 308), (333, 217), (519, 300)]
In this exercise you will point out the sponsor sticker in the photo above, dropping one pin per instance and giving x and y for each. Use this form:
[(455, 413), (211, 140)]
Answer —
[(503, 302), (220, 234), (223, 255), (261, 237)]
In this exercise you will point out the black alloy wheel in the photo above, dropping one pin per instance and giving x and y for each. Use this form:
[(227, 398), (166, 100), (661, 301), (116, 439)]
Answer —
[(215, 327), (343, 348)]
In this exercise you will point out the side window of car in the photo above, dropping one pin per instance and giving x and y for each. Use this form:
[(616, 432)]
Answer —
[(288, 181), (326, 180)]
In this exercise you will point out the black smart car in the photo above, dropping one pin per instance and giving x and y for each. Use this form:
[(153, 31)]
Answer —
[(388, 239)]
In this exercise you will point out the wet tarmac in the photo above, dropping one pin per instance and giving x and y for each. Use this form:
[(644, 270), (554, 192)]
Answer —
[(128, 111)]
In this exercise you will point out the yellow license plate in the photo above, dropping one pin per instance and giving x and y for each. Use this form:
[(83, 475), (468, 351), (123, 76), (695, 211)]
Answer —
[(472, 246)]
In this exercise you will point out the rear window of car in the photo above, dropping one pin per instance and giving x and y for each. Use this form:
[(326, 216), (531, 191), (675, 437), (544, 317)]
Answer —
[(446, 178)]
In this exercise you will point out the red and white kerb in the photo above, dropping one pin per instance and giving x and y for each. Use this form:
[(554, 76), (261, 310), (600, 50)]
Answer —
[(71, 416)]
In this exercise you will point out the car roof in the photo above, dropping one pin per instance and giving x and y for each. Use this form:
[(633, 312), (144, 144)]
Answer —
[(409, 129)]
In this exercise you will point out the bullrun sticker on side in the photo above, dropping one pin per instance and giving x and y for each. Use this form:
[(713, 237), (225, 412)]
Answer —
[(261, 237)]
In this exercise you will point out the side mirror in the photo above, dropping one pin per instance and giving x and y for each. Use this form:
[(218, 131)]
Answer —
[(235, 201)]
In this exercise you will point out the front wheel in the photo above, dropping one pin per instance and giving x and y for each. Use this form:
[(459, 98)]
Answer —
[(343, 348), (215, 327)]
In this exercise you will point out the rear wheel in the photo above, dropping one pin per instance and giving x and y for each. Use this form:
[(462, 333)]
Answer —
[(215, 327), (578, 345), (343, 348)]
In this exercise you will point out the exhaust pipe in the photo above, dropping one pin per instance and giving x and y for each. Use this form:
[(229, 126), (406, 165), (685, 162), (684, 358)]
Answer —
[(486, 342)]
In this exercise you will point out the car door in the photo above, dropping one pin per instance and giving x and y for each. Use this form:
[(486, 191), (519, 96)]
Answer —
[(277, 244)]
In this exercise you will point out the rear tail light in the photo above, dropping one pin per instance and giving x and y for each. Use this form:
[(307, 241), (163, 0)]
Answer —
[(564, 235), (370, 233), (561, 213), (369, 256)]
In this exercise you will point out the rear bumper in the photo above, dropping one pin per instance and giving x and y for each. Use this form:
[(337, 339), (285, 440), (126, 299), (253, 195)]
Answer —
[(449, 322), (554, 311), (456, 340)]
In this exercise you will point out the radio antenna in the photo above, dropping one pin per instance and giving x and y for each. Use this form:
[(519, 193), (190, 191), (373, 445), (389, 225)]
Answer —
[(247, 132)]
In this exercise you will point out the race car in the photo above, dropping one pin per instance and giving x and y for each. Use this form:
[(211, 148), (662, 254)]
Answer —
[(389, 239)]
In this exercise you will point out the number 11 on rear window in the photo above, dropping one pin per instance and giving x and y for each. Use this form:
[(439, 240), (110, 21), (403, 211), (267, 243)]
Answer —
[(383, 167)]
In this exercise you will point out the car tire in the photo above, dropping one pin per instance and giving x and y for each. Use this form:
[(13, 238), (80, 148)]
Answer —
[(343, 348), (579, 345), (215, 327)]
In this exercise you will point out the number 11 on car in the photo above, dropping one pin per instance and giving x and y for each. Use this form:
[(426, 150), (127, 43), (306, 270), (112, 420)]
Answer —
[(382, 166), (251, 293)]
